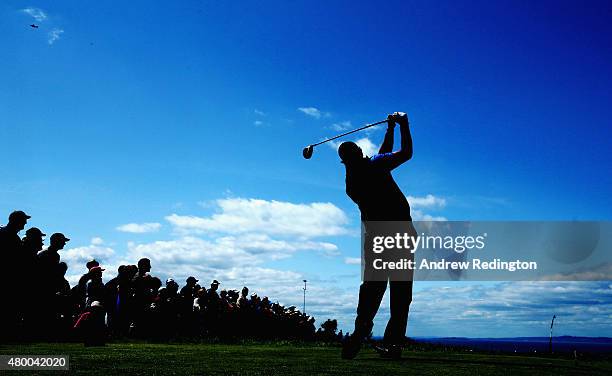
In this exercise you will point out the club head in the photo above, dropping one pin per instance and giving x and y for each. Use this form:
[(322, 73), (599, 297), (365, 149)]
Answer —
[(307, 152)]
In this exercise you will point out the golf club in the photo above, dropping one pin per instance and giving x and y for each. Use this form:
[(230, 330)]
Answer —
[(308, 150)]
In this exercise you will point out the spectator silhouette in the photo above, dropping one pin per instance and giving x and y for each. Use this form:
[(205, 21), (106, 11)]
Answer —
[(95, 287), (49, 258), (80, 290), (63, 306), (11, 253), (32, 243), (48, 271), (188, 291)]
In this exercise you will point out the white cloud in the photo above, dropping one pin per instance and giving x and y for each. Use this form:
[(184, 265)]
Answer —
[(341, 126), (36, 13), (97, 241), (418, 215), (189, 254), (367, 146), (311, 111), (257, 123), (259, 112), (427, 201), (76, 258), (54, 35), (520, 308), (80, 255), (139, 228), (352, 260), (261, 244), (240, 215), (601, 272)]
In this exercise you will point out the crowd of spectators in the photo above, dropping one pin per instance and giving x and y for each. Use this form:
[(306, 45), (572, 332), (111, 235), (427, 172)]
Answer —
[(40, 304)]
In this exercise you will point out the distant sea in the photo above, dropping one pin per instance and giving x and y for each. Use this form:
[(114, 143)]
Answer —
[(561, 344)]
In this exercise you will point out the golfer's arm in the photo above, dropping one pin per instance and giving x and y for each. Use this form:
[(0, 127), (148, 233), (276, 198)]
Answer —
[(387, 145), (405, 152)]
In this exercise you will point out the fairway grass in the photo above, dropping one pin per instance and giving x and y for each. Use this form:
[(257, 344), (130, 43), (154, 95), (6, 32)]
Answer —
[(289, 359)]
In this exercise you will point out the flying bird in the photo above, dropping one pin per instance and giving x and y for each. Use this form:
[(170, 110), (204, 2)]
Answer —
[(34, 26)]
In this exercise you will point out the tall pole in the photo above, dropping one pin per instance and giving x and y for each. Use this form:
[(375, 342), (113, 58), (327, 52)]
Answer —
[(304, 310), (550, 340)]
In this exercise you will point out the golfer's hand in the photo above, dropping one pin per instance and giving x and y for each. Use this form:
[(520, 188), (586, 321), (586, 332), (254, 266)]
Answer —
[(391, 122), (400, 117)]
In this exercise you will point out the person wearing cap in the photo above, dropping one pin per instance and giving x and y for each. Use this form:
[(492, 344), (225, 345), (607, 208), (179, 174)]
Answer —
[(169, 301), (11, 253), (172, 286), (213, 308), (168, 296), (81, 287), (188, 297), (11, 245), (50, 257), (168, 291), (48, 260), (47, 266), (9, 238), (212, 296), (95, 287), (32, 243), (188, 291)]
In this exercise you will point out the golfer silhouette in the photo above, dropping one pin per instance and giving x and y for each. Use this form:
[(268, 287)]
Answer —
[(371, 186)]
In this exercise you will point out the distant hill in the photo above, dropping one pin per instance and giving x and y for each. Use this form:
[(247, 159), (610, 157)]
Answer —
[(561, 344)]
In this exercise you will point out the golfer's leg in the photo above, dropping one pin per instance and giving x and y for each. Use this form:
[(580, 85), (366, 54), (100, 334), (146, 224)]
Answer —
[(370, 296), (401, 297)]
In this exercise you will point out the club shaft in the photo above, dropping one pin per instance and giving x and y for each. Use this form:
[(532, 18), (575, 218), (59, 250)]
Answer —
[(349, 132)]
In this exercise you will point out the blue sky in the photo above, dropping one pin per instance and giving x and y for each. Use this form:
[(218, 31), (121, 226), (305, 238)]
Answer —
[(186, 117)]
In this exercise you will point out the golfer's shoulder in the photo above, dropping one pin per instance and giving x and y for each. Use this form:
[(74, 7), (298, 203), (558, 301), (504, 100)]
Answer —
[(381, 158)]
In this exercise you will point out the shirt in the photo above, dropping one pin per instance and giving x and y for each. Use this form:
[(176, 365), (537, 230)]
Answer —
[(371, 186)]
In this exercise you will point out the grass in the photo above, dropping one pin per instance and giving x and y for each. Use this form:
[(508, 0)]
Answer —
[(291, 359)]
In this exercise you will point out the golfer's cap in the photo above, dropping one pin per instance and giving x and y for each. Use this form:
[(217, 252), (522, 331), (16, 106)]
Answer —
[(192, 279), (215, 282), (34, 232), (96, 269), (59, 236), (92, 263), (96, 303), (18, 214), (170, 280)]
